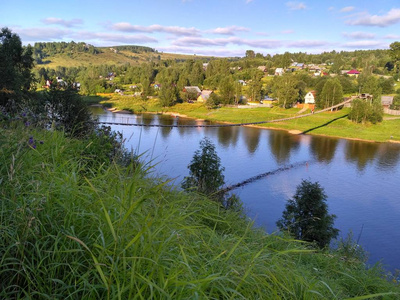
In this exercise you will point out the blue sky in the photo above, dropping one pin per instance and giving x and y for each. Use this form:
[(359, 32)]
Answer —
[(209, 27)]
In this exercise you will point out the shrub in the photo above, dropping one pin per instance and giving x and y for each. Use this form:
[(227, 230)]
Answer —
[(306, 215)]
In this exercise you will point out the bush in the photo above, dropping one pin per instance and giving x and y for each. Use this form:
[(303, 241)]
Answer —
[(306, 215), (205, 174)]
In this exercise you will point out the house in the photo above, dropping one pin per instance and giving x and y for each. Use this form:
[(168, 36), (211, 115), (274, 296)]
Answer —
[(192, 89), (242, 82), (192, 92), (262, 68), (279, 71), (205, 94), (353, 72), (387, 101), (268, 101), (310, 98)]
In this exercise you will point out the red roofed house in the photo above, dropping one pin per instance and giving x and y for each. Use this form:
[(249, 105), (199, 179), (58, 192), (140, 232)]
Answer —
[(353, 72)]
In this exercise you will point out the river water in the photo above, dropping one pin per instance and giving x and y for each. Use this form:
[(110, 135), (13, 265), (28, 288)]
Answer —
[(361, 179)]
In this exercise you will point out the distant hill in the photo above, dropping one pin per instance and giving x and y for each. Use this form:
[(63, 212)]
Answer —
[(57, 54)]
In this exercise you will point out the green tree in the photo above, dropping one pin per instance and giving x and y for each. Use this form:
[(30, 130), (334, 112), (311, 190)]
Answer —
[(286, 60), (395, 54), (16, 63), (331, 94), (205, 171), (306, 216), (284, 88), (67, 111), (227, 90), (168, 92), (250, 54)]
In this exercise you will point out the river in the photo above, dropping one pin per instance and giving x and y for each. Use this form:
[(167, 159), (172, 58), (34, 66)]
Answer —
[(361, 179)]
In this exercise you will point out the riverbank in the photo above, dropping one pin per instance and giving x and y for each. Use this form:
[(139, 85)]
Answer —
[(91, 229), (332, 124)]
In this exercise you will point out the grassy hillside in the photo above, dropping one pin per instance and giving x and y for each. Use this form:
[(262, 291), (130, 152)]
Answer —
[(107, 56), (73, 227)]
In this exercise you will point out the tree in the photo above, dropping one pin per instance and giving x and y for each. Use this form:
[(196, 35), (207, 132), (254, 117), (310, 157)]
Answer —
[(395, 54), (66, 110), (168, 92), (16, 64), (227, 90), (331, 94), (306, 215), (205, 171), (285, 90), (250, 54)]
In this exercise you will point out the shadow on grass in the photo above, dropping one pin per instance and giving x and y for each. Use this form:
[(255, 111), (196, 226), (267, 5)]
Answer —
[(323, 125)]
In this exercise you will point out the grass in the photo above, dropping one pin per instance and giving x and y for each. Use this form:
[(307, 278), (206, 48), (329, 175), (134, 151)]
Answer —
[(108, 57), (334, 124), (74, 229)]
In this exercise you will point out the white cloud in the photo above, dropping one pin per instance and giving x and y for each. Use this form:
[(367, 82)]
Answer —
[(230, 30), (288, 31), (248, 1), (221, 52), (62, 22), (31, 35), (358, 35), (112, 37), (307, 44), (296, 5), (365, 44), (207, 42), (347, 9), (392, 17), (392, 37), (176, 30)]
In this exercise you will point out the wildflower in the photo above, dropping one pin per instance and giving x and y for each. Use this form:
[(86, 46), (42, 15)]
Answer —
[(32, 142)]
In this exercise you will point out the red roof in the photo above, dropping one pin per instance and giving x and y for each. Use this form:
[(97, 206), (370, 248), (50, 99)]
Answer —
[(353, 72)]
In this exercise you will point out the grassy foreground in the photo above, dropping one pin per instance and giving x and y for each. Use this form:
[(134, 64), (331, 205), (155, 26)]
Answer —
[(75, 228), (335, 124)]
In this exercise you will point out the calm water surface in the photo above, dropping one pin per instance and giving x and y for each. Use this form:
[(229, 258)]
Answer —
[(362, 180)]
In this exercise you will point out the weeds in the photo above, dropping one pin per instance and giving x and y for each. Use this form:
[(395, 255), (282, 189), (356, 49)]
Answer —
[(73, 229)]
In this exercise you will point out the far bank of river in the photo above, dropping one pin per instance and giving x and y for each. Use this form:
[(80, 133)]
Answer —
[(331, 124)]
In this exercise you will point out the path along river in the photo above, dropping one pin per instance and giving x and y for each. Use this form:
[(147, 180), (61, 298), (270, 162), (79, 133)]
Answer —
[(361, 179)]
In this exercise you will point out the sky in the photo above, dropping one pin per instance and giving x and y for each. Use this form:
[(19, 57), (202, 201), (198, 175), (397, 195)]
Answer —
[(209, 27)]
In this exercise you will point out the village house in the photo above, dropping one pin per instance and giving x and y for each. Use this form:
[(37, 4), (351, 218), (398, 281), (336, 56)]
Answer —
[(387, 101), (353, 72), (279, 71), (205, 94), (262, 68), (268, 101), (310, 97), (242, 82)]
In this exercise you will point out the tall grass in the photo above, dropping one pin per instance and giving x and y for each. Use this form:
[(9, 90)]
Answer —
[(74, 229)]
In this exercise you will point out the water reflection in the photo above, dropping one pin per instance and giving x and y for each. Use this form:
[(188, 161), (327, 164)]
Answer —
[(388, 156), (361, 153), (281, 145), (252, 139), (228, 136), (166, 131), (323, 149)]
